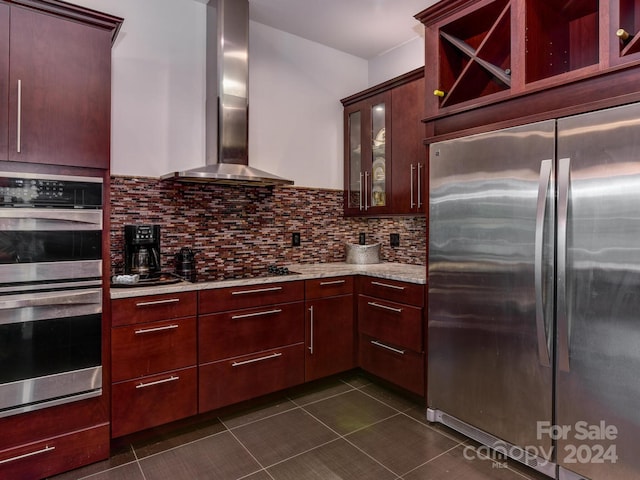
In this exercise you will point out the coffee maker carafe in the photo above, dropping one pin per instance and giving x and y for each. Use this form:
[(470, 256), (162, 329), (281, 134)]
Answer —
[(142, 250)]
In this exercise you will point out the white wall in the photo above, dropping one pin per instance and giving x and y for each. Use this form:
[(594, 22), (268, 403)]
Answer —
[(395, 62), (158, 95)]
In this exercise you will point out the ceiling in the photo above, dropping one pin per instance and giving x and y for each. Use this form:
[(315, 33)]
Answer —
[(364, 28)]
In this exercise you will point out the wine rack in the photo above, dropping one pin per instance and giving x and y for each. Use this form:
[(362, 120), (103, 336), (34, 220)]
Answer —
[(475, 54), (629, 27)]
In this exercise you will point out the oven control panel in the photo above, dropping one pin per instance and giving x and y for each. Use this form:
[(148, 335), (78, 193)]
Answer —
[(27, 190)]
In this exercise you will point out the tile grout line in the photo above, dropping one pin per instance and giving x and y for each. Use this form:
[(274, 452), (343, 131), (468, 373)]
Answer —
[(432, 459), (262, 467), (351, 443)]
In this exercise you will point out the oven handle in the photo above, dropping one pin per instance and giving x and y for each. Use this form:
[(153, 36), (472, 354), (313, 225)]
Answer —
[(43, 219), (49, 305), (74, 297)]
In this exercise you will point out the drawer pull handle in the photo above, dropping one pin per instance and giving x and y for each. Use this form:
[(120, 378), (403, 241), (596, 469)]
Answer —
[(382, 345), (334, 282), (385, 307), (19, 119), (387, 285), (157, 329), (256, 314), (27, 455), (157, 302), (310, 347), (254, 360), (257, 290), (158, 382)]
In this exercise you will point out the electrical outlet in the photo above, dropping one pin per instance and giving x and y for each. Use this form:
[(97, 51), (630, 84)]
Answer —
[(394, 239), (295, 239)]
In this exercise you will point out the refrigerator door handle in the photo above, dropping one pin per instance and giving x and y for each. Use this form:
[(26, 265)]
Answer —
[(564, 180), (541, 325)]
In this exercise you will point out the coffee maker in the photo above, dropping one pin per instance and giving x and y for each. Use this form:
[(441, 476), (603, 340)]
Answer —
[(142, 250)]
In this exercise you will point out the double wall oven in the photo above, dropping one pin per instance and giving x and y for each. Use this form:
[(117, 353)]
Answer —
[(50, 290)]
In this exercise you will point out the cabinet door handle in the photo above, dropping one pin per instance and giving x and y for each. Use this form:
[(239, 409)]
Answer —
[(19, 119), (311, 330), (385, 307), (366, 184), (413, 204), (419, 185), (361, 190), (156, 329), (334, 282), (387, 285), (256, 314), (172, 378), (382, 345), (253, 360), (257, 290), (157, 302), (27, 455)]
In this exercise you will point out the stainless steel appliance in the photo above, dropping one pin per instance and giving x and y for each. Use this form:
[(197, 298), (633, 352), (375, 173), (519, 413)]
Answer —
[(50, 290), (142, 250), (534, 292)]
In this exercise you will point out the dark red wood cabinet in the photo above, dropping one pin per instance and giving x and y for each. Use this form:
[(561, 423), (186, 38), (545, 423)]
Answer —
[(153, 355), (59, 84), (4, 80), (329, 327), (250, 342), (384, 157), (498, 63), (391, 329)]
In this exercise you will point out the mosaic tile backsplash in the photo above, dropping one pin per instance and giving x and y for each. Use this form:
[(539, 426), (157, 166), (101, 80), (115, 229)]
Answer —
[(239, 231)]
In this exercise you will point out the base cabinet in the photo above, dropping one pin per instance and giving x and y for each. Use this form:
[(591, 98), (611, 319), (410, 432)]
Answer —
[(153, 357), (53, 455), (153, 400), (250, 342), (329, 327), (233, 380), (391, 332)]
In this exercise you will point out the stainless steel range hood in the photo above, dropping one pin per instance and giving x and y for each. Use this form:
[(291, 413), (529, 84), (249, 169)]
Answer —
[(227, 119)]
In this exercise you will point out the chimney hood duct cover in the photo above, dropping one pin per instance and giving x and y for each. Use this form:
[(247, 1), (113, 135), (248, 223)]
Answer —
[(227, 120)]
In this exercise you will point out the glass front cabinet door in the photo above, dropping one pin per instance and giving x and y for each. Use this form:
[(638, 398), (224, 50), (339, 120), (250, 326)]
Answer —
[(367, 124)]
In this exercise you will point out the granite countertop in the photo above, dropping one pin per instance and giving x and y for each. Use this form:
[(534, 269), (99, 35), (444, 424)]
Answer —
[(392, 271)]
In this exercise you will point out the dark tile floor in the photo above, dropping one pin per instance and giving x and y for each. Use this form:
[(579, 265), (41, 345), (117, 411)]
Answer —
[(346, 427)]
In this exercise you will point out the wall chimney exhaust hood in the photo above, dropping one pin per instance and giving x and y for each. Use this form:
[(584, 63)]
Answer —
[(227, 120)]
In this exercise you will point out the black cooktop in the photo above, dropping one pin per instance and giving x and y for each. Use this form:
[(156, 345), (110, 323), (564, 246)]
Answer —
[(271, 271)]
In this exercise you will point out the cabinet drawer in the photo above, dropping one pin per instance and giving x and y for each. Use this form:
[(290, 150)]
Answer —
[(152, 401), (149, 348), (402, 292), (230, 334), (328, 287), (392, 322), (235, 298), (234, 380), (404, 368), (58, 454), (127, 311)]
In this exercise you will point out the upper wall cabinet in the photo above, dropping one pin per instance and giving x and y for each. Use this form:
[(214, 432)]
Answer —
[(482, 52), (57, 59), (384, 155), (4, 79)]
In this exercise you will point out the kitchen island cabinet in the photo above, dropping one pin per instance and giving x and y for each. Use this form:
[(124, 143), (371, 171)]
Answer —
[(57, 59), (153, 355), (250, 342), (329, 327), (391, 329)]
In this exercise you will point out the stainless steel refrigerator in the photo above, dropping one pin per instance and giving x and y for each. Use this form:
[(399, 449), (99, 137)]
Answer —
[(534, 292)]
